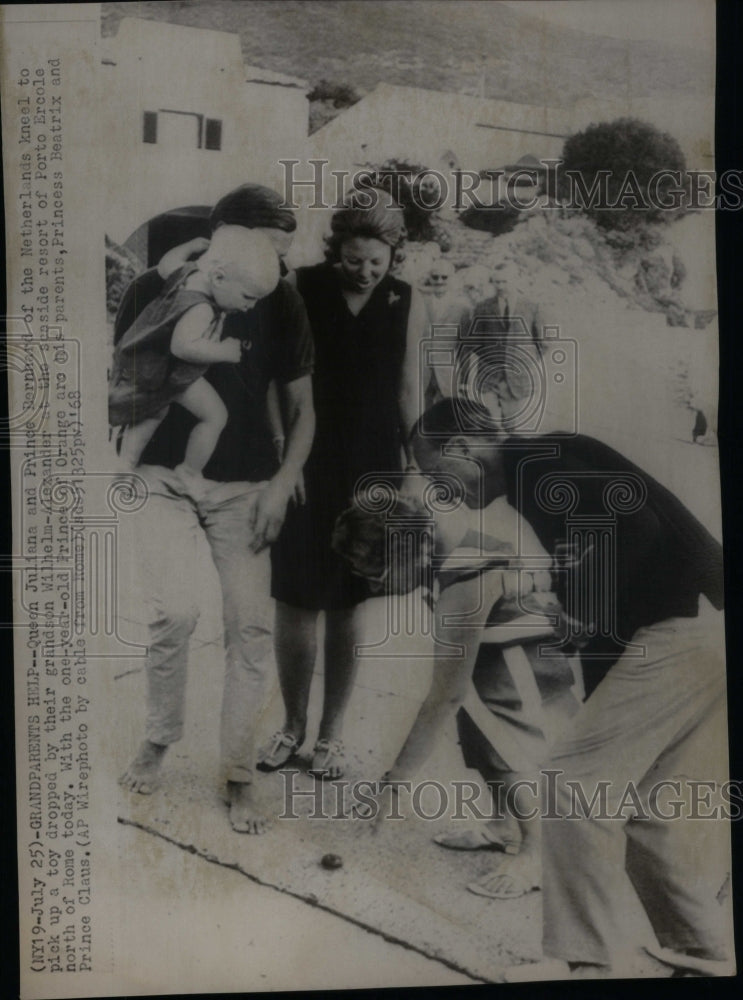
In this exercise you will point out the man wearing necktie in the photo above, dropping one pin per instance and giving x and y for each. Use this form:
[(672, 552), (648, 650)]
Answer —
[(501, 304), (502, 344)]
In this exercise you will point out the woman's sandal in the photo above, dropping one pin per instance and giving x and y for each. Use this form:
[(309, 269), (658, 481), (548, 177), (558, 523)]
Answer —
[(280, 749), (329, 766)]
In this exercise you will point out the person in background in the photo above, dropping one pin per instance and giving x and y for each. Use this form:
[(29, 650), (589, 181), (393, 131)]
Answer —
[(502, 344), (437, 290), (446, 305), (476, 284)]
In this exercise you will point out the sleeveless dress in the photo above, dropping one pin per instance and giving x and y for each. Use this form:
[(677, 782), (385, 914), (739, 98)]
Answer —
[(356, 384), (145, 376)]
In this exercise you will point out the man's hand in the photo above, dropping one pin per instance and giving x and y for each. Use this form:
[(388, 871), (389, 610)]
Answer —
[(269, 513), (180, 255)]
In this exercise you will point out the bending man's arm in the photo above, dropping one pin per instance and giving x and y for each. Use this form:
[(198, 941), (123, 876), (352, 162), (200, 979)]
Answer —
[(300, 430), (451, 672)]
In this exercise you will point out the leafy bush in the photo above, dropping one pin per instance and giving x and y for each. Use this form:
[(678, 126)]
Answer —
[(121, 267), (499, 219), (327, 99), (633, 153), (341, 95)]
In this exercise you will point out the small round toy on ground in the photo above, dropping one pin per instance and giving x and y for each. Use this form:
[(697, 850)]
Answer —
[(331, 861)]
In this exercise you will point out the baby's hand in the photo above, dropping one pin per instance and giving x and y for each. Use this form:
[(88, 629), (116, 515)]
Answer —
[(232, 348), (198, 246)]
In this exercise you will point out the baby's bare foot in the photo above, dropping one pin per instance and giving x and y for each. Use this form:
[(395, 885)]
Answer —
[(193, 482), (244, 817), (143, 774)]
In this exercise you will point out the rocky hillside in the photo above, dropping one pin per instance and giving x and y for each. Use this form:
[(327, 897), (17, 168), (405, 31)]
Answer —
[(466, 47), (569, 253), (641, 314)]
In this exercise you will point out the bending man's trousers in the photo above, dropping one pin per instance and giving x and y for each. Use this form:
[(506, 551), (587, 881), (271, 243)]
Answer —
[(653, 719)]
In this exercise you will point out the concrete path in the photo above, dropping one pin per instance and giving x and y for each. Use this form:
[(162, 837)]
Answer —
[(234, 934)]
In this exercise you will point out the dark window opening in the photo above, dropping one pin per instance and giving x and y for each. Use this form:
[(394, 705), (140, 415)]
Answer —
[(149, 130), (213, 134)]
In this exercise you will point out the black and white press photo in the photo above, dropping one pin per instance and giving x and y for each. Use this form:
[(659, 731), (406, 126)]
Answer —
[(369, 596)]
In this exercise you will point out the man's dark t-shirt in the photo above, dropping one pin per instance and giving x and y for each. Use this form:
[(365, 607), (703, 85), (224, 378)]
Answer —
[(658, 562), (280, 347)]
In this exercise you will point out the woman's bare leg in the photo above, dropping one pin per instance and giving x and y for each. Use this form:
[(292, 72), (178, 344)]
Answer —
[(295, 647), (342, 636)]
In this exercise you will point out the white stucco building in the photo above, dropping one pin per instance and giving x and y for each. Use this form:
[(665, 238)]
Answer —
[(187, 120), (440, 130)]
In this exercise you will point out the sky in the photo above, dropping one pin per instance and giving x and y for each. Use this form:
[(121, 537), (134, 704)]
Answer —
[(687, 23)]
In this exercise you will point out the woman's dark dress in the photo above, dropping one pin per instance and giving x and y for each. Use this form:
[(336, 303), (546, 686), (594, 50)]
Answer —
[(356, 386)]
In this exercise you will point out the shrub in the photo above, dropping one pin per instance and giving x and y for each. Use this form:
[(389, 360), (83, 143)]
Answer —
[(633, 152), (327, 99), (341, 95), (497, 219), (121, 267)]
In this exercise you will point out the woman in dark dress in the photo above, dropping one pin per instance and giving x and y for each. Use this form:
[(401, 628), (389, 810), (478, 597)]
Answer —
[(366, 325)]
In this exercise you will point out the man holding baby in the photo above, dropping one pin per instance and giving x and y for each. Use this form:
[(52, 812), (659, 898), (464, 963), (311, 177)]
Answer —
[(240, 511)]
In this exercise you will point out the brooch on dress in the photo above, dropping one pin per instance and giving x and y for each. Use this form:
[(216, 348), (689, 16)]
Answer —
[(392, 299)]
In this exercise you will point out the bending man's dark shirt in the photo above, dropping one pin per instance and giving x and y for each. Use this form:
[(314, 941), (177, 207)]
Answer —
[(662, 557)]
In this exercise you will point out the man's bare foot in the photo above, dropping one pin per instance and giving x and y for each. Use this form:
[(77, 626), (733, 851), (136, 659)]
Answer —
[(243, 815), (143, 774)]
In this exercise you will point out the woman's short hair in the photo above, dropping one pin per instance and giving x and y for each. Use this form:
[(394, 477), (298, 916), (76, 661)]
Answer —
[(372, 540), (371, 213), (253, 206)]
